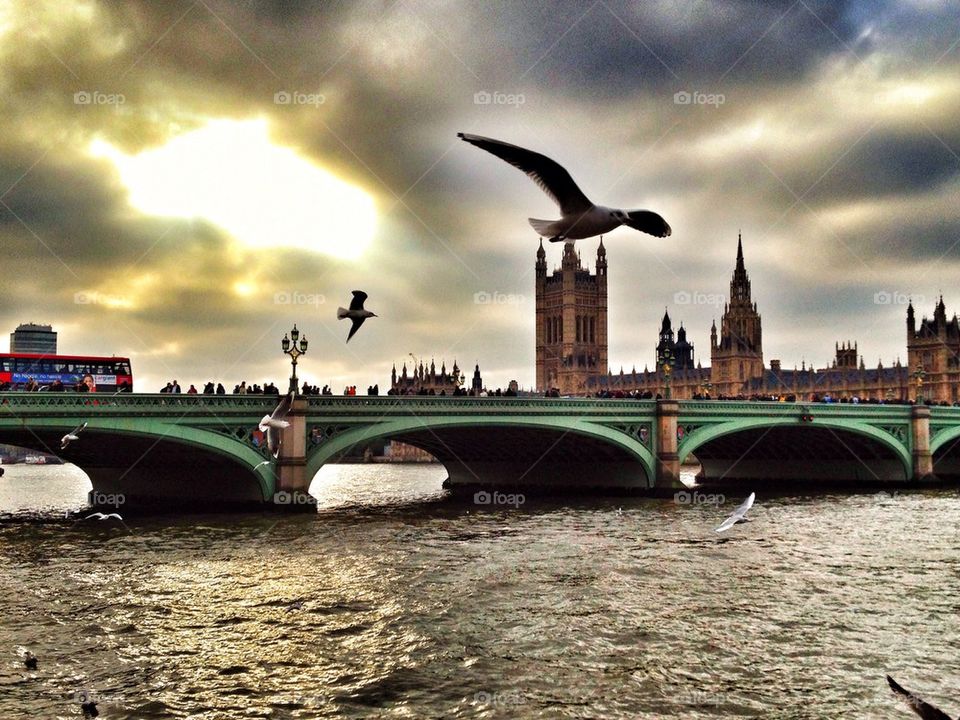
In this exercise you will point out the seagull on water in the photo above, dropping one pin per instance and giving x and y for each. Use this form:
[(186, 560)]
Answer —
[(71, 436), (919, 706), (356, 313), (89, 709), (738, 514), (274, 423), (580, 218)]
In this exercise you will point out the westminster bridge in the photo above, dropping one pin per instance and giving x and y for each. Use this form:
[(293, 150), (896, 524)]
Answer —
[(198, 451)]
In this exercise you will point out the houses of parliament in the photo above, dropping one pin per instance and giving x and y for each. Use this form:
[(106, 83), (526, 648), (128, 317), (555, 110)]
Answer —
[(571, 349)]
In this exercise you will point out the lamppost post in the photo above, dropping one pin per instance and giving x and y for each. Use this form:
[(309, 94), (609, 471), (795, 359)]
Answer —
[(667, 370), (918, 375), (294, 346)]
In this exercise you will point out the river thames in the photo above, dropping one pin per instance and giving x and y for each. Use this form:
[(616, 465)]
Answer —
[(397, 601)]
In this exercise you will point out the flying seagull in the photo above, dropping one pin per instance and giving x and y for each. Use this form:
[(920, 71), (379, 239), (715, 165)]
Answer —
[(274, 423), (356, 313), (920, 707), (111, 516), (101, 516), (738, 514), (580, 218), (71, 436)]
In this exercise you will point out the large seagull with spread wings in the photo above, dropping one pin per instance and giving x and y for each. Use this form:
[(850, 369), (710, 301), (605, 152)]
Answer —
[(580, 217)]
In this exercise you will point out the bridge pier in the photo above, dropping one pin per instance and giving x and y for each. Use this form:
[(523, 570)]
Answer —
[(293, 485), (668, 460), (922, 458)]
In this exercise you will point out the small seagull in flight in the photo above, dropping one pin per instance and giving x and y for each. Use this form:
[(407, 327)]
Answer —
[(738, 514), (112, 516), (274, 423), (71, 436), (920, 707), (580, 218), (356, 313)]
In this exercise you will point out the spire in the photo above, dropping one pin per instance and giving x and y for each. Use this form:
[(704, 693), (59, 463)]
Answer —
[(665, 325), (600, 250), (740, 283), (541, 253)]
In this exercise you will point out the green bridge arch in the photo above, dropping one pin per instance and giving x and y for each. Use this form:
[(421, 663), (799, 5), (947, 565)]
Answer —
[(704, 435), (402, 428), (43, 434), (944, 437)]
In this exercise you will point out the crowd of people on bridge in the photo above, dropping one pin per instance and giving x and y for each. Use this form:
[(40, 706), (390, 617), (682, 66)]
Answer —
[(86, 384), (761, 397)]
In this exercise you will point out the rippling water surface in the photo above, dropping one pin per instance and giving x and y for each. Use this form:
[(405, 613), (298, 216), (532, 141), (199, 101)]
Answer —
[(397, 601)]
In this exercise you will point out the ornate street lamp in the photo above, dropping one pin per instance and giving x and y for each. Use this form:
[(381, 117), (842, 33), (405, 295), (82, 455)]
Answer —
[(667, 370), (918, 375), (294, 346)]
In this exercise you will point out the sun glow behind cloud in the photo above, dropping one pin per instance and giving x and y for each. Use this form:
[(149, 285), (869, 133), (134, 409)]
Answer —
[(229, 173)]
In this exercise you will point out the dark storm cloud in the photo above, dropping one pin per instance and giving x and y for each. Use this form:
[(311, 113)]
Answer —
[(619, 48), (884, 164)]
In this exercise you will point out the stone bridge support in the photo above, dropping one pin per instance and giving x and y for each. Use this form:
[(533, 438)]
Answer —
[(293, 485), (668, 460), (921, 456)]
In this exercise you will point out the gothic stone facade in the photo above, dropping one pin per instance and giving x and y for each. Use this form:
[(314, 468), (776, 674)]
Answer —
[(737, 369), (571, 330)]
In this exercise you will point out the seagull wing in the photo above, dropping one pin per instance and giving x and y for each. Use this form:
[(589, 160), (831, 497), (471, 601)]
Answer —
[(728, 523), (920, 707), (357, 322), (283, 409), (359, 297), (649, 222), (552, 177), (71, 436), (273, 433), (745, 505), (95, 516)]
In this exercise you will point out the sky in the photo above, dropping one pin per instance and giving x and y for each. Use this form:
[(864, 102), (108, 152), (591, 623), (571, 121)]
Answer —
[(182, 181)]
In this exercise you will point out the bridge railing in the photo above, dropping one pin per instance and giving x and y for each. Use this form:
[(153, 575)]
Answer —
[(252, 404), (446, 404), (135, 403)]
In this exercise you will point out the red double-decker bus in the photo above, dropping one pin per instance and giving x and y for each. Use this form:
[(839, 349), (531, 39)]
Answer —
[(19, 371)]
